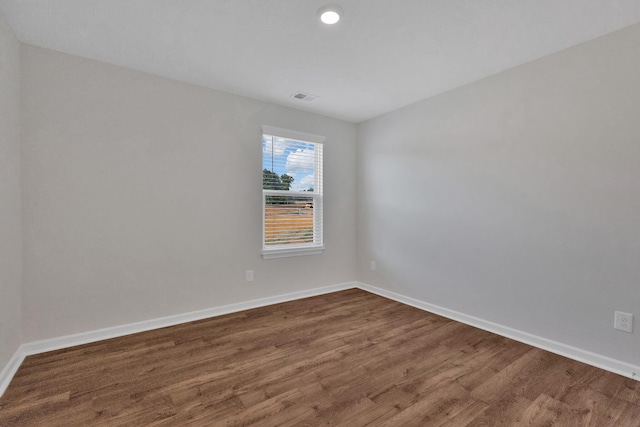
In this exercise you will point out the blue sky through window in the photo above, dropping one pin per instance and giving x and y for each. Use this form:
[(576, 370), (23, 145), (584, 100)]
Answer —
[(294, 158)]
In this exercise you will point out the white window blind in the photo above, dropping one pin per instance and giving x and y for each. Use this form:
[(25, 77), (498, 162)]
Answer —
[(291, 193)]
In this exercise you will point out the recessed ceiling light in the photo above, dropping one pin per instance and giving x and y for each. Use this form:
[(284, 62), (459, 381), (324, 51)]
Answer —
[(330, 14)]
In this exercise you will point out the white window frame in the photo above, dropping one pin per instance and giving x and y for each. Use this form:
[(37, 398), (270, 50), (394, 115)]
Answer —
[(290, 250)]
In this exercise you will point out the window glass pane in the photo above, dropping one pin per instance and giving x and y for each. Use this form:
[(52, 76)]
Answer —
[(288, 220), (292, 194), (288, 164)]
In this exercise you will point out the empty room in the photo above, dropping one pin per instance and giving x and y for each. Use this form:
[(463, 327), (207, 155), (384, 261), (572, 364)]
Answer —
[(310, 213)]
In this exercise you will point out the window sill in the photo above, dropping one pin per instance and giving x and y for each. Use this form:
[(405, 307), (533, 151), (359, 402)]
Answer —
[(290, 252)]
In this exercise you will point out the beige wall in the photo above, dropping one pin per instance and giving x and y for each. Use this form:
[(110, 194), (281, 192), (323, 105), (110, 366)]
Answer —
[(516, 199), (142, 197), (10, 198)]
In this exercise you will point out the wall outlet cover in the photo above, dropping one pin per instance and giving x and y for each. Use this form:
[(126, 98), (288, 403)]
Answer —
[(623, 321)]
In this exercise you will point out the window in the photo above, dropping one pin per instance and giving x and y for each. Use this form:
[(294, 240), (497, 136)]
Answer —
[(291, 193)]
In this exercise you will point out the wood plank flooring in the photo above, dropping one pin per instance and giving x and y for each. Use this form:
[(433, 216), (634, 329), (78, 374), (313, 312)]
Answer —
[(349, 358)]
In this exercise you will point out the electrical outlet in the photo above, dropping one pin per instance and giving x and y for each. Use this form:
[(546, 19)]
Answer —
[(623, 321), (249, 274), (373, 266)]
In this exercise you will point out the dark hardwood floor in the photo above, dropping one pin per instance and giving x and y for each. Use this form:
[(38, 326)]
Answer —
[(349, 358)]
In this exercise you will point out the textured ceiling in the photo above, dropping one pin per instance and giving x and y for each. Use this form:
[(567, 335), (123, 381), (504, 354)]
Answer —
[(383, 55)]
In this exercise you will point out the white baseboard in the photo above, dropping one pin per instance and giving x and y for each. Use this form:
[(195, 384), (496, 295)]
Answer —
[(66, 341), (597, 360), (584, 356), (148, 325), (10, 369)]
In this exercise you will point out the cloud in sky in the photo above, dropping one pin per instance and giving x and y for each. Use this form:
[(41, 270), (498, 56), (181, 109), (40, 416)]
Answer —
[(300, 161), (304, 183), (300, 165)]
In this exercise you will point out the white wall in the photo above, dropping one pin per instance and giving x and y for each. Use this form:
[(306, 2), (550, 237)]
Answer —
[(516, 199), (10, 196), (142, 197)]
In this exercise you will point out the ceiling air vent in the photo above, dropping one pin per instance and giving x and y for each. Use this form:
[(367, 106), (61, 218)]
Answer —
[(304, 96)]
